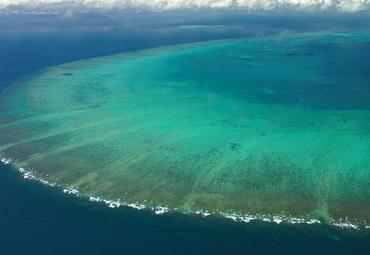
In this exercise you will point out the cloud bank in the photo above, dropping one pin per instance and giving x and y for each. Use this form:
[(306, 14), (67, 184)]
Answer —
[(341, 6)]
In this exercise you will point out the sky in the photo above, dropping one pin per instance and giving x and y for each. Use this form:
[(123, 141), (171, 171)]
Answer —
[(340, 6)]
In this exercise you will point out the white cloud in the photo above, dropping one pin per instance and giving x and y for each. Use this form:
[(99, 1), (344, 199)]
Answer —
[(266, 5)]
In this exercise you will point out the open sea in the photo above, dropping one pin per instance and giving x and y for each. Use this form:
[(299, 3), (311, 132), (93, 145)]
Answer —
[(38, 219)]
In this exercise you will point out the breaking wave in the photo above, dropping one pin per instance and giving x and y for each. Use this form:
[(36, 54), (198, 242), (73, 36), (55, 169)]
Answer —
[(30, 174)]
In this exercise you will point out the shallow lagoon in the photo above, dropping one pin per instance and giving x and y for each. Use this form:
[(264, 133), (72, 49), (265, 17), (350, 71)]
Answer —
[(270, 126)]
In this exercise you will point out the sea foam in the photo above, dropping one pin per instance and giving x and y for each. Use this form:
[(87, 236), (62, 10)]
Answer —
[(29, 174)]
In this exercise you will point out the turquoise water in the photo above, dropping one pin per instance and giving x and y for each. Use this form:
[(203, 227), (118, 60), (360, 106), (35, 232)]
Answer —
[(272, 127)]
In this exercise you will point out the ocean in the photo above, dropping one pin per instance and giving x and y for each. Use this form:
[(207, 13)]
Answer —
[(37, 219)]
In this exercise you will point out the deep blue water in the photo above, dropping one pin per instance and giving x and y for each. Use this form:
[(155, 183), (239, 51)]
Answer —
[(35, 219)]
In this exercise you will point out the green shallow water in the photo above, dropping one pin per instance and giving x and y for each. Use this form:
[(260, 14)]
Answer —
[(274, 125)]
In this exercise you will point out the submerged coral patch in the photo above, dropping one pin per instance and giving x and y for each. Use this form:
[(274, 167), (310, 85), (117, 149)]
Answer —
[(197, 128)]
